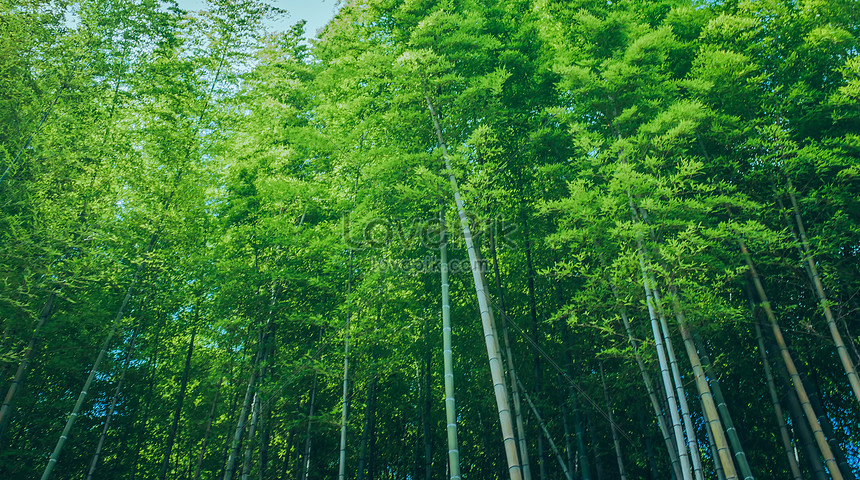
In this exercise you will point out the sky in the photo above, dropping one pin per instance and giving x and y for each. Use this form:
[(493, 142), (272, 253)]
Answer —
[(316, 12)]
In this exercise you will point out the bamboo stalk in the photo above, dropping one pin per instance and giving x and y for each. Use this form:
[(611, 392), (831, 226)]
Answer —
[(777, 406), (496, 371), (718, 467), (731, 431), (252, 430), (693, 443), (809, 258), (546, 434), (649, 386), (21, 372), (800, 389), (512, 372), (664, 370), (615, 440), (448, 360), (112, 408), (58, 449), (177, 413), (209, 424), (709, 406)]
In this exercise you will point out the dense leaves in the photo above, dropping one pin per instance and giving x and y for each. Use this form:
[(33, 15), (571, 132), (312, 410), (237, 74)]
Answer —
[(196, 213)]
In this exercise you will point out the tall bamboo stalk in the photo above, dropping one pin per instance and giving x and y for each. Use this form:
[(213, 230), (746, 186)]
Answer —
[(801, 428), (252, 430), (512, 372), (341, 470), (561, 461), (809, 258), (796, 381), (664, 371), (534, 317), (777, 405), (708, 404), (112, 408), (369, 417), (250, 392), (568, 448), (448, 360), (177, 413), (715, 456), (649, 386), (209, 424), (615, 440), (58, 449), (731, 431), (304, 468), (496, 371), (21, 372), (580, 435), (693, 443), (257, 374)]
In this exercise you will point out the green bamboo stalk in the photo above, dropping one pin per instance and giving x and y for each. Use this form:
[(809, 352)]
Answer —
[(615, 440), (448, 360), (664, 370), (809, 258), (693, 443), (534, 409), (799, 388), (496, 370), (777, 405)]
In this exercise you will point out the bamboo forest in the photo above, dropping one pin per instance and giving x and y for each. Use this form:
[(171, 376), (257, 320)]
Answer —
[(432, 239)]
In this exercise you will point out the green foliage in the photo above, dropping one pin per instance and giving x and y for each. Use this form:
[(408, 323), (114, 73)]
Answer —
[(255, 189)]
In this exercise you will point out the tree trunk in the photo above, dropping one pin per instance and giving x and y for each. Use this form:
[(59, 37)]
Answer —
[(777, 406), (709, 407), (799, 388), (804, 434), (153, 360), (448, 359), (177, 413), (731, 432), (649, 386), (265, 439), (234, 405), (341, 471), (565, 417), (496, 370), (715, 455), (580, 436), (595, 447), (534, 333), (649, 449), (258, 370), (827, 427), (427, 407), (209, 424), (285, 465), (365, 432), (250, 393)]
